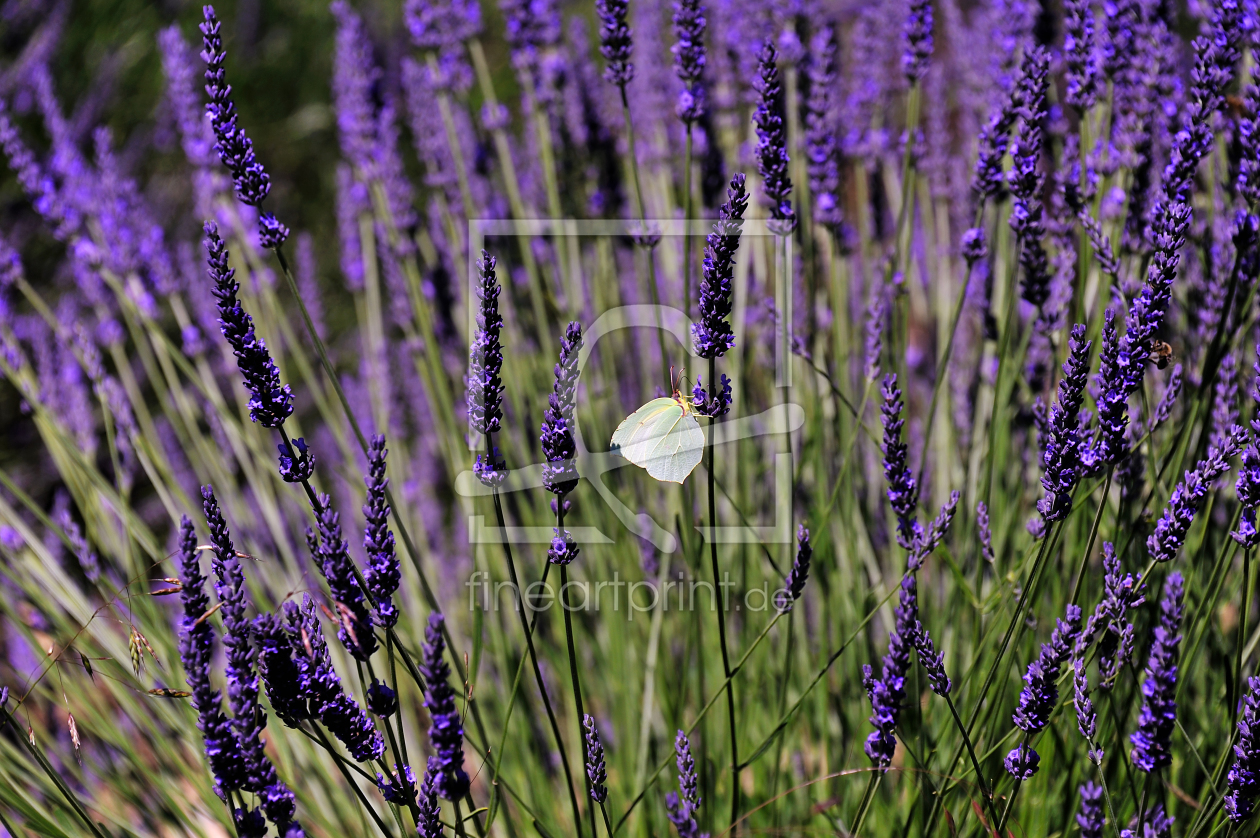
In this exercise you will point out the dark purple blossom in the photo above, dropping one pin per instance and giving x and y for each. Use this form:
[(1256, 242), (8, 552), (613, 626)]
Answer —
[(771, 150), (689, 58), (333, 555), (932, 661), (716, 407), (446, 729), (1153, 738), (297, 461), (1078, 54), (1244, 774), (1061, 461), (399, 787), (974, 245), (196, 652), (260, 775), (382, 700), (917, 36), (270, 402), (615, 41), (559, 445), (279, 671), (1247, 489), (429, 819), (1091, 819), (985, 534), (794, 584), (320, 685), (1041, 691), (1086, 715), (887, 693), (383, 573), (903, 490), (1171, 529), (596, 773), (822, 148), (1026, 181), (681, 807), (712, 335), (441, 25), (485, 361)]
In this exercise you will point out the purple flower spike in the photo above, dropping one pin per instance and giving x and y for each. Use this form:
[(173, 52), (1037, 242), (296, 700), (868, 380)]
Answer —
[(1078, 54), (917, 35), (713, 336), (333, 555), (1086, 715), (429, 819), (1026, 181), (270, 402), (1063, 445), (1091, 819), (595, 769), (794, 585), (446, 730), (279, 671), (383, 573), (1244, 774), (615, 41), (399, 787), (1152, 739), (689, 58), (1247, 488), (296, 465), (903, 490), (485, 362), (772, 153), (887, 693), (234, 148), (822, 149), (933, 662), (321, 686), (196, 650), (441, 25), (260, 775), (986, 535), (1041, 692), (560, 474), (1171, 529), (682, 807)]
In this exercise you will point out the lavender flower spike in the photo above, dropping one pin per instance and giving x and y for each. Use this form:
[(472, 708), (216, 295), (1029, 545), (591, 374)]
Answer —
[(1063, 448), (1041, 692), (1152, 739), (794, 584), (681, 807), (689, 58), (985, 533), (1091, 819), (1078, 54), (1086, 715), (277, 799), (713, 336), (772, 154), (279, 671), (932, 661), (595, 770), (196, 650), (1247, 488), (446, 730), (822, 151), (559, 447), (1171, 529), (333, 555), (918, 41), (320, 685), (429, 819), (270, 402), (1244, 774), (234, 148), (887, 693), (615, 41), (382, 573), (903, 490), (485, 366)]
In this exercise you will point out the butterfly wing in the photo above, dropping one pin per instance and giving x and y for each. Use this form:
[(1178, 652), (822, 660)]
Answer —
[(663, 438)]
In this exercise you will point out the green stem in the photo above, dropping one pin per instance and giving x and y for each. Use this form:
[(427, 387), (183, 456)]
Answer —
[(573, 664)]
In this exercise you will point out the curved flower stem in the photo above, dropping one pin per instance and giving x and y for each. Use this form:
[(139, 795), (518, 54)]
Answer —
[(864, 807), (717, 580), (341, 766), (573, 666), (975, 763)]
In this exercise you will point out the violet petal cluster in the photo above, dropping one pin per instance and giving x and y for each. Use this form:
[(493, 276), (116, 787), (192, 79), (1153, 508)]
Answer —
[(616, 41), (382, 573), (712, 335), (794, 584), (1171, 529), (446, 728), (1026, 181), (320, 685), (1244, 774), (887, 693), (559, 446), (903, 489), (1061, 461), (917, 35), (772, 152), (932, 661), (822, 149), (333, 555), (689, 58), (270, 401), (1092, 819), (196, 653), (279, 671), (1153, 738), (429, 817), (1041, 691), (681, 807), (596, 772)]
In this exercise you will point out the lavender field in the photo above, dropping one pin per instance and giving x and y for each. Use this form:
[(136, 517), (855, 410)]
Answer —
[(717, 417)]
